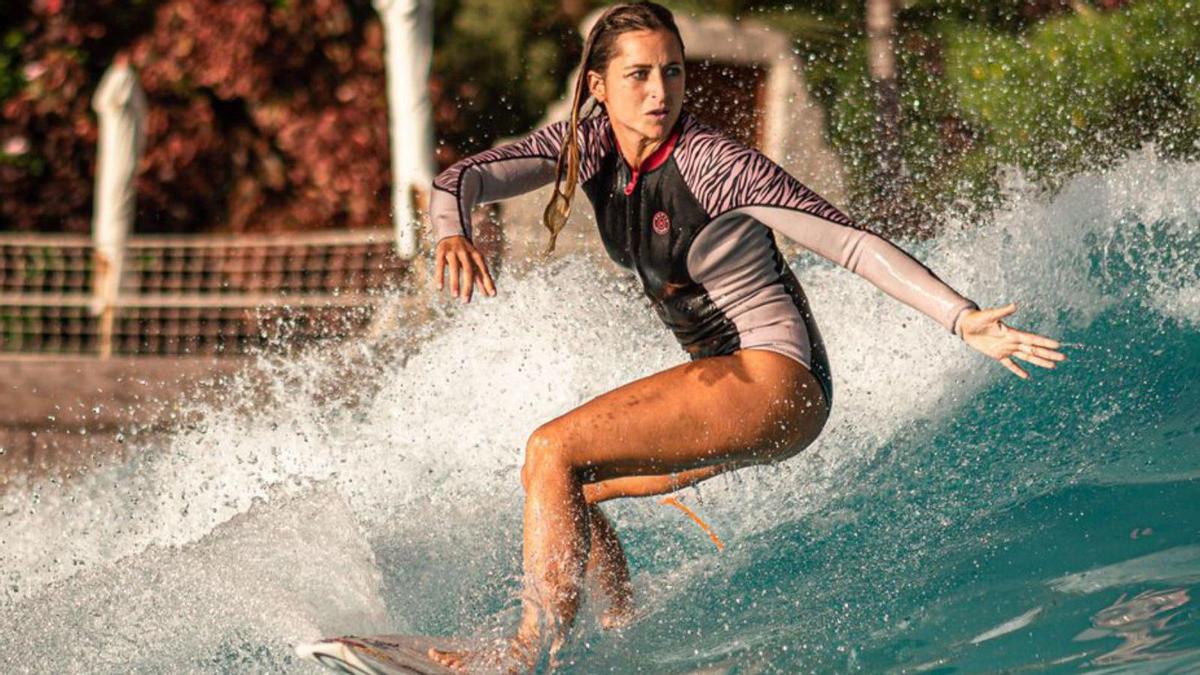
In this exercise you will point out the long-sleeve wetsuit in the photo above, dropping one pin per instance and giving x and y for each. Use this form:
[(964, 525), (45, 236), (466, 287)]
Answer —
[(696, 222)]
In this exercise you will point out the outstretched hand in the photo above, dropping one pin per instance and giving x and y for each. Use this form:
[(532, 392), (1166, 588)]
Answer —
[(461, 256), (983, 330)]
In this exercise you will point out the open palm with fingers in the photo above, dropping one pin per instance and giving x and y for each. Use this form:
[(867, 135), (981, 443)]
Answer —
[(983, 330), (466, 265)]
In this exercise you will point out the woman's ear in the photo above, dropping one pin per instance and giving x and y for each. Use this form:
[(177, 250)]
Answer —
[(595, 83)]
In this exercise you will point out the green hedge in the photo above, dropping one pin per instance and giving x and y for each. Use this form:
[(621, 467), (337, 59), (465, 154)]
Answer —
[(1083, 88)]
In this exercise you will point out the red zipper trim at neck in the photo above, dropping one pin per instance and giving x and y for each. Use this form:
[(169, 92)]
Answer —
[(655, 160)]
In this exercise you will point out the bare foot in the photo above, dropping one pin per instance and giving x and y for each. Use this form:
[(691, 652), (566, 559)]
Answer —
[(511, 656)]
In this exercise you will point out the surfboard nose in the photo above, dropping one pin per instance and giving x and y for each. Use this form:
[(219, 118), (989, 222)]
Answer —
[(379, 654)]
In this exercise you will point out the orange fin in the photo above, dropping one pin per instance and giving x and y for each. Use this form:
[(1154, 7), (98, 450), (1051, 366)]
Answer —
[(691, 514)]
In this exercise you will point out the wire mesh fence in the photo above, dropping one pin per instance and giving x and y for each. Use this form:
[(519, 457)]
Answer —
[(200, 294)]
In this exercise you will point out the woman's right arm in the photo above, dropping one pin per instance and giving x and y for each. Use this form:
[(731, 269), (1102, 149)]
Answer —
[(502, 172)]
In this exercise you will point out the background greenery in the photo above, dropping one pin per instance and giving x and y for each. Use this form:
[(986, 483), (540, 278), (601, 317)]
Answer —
[(1049, 88), (271, 115)]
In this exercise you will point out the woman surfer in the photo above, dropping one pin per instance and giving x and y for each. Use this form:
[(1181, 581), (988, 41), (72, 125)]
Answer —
[(693, 212)]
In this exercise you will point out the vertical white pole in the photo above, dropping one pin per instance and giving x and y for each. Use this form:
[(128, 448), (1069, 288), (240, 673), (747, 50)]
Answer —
[(408, 31), (120, 104)]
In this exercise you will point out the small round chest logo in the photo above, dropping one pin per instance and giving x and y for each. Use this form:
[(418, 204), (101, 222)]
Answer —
[(661, 222)]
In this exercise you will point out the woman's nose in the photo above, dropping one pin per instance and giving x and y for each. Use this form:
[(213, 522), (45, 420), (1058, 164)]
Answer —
[(656, 86)]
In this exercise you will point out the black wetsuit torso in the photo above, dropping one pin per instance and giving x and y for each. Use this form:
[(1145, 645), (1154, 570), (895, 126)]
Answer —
[(658, 254)]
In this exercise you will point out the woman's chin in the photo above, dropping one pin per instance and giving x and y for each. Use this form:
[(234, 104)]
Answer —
[(655, 130), (650, 129)]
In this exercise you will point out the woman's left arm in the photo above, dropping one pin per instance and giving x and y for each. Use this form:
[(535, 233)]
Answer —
[(870, 256), (897, 273), (729, 178)]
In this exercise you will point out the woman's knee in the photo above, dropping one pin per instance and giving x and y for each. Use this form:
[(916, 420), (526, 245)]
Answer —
[(546, 450)]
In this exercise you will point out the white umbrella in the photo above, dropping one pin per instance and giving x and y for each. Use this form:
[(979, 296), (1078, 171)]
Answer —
[(121, 106), (408, 31)]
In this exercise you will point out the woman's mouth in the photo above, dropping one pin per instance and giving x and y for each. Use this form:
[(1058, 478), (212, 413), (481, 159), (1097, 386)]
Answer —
[(659, 114)]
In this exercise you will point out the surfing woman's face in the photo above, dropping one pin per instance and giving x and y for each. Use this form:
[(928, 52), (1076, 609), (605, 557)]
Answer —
[(642, 87)]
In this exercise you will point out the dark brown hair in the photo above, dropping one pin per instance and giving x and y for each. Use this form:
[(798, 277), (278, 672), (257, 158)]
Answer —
[(598, 50)]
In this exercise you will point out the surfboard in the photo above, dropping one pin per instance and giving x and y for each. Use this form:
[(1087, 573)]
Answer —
[(381, 654)]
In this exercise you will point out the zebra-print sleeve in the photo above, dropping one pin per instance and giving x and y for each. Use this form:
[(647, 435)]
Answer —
[(724, 174), (499, 173), (730, 178)]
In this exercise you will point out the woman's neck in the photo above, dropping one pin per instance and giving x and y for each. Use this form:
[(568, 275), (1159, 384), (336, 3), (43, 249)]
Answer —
[(636, 148)]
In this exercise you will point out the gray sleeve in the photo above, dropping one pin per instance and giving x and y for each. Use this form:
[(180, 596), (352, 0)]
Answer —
[(727, 176), (872, 257), (499, 173)]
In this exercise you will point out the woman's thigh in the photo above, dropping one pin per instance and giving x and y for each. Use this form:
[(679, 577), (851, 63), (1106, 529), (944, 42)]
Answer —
[(749, 407)]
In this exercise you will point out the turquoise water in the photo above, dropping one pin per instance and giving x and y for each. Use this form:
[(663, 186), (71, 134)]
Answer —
[(952, 518), (1028, 531)]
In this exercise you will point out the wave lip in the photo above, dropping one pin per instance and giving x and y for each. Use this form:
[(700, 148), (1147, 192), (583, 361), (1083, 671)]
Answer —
[(1178, 565)]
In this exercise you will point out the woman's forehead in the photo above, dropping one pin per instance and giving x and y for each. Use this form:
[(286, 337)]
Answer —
[(647, 46)]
